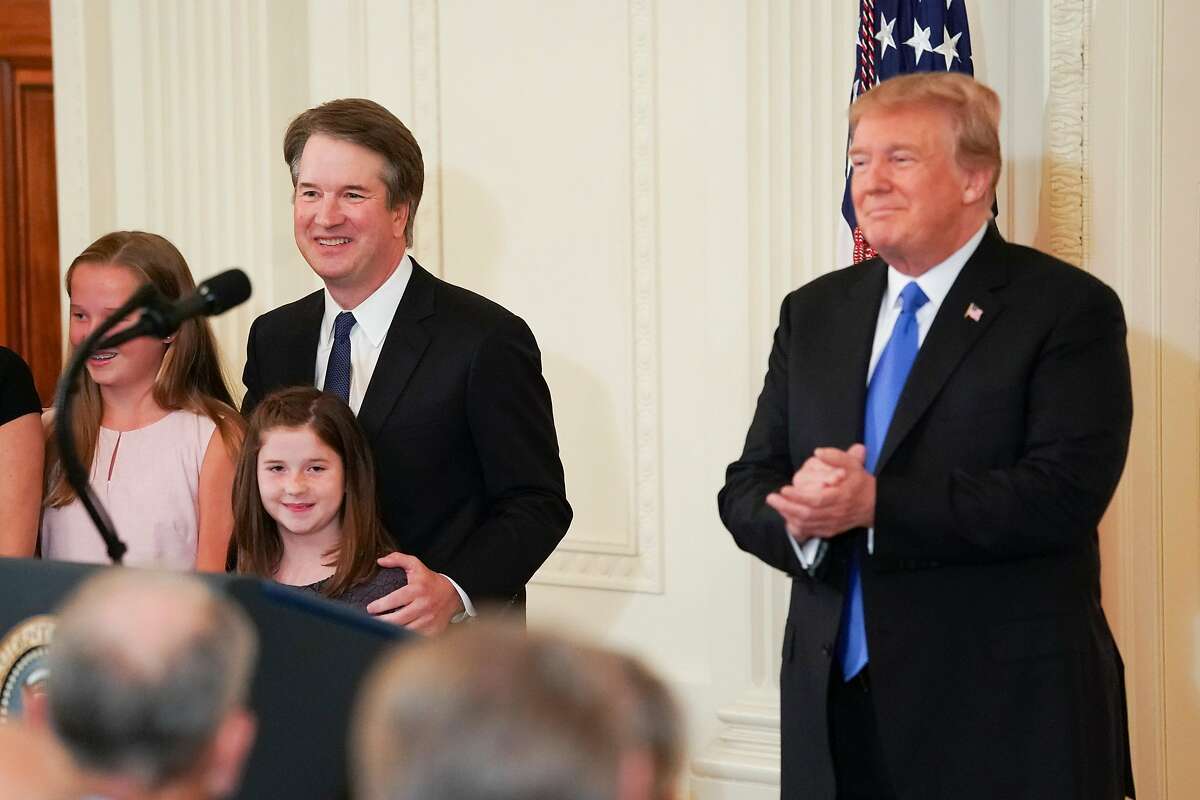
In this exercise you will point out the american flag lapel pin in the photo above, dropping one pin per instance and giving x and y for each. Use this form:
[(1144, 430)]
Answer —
[(974, 312)]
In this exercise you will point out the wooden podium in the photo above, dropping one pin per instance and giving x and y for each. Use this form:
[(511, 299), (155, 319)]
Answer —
[(312, 657)]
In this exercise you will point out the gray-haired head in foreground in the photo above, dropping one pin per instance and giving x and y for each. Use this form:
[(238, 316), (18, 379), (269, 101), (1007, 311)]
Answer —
[(144, 666), (492, 713)]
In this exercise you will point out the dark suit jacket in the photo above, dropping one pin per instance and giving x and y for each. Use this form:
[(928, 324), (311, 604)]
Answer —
[(460, 425), (994, 674)]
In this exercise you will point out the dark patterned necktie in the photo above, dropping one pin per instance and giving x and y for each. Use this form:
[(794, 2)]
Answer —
[(337, 372)]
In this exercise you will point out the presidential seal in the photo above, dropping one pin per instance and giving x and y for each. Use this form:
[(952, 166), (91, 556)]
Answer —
[(23, 663)]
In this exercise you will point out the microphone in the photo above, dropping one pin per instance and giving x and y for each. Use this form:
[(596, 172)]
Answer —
[(161, 317)]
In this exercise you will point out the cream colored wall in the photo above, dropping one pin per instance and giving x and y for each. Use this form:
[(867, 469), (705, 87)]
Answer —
[(1176, 351), (643, 180), (1143, 209)]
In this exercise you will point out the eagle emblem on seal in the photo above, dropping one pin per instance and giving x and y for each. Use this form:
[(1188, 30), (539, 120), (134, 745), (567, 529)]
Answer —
[(23, 664)]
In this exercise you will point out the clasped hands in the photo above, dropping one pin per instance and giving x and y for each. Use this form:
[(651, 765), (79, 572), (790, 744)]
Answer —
[(831, 493)]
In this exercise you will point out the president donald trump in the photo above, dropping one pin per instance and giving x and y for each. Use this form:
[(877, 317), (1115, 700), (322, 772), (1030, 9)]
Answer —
[(940, 431)]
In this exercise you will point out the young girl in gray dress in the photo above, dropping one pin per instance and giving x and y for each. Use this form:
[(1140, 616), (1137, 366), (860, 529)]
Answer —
[(305, 510)]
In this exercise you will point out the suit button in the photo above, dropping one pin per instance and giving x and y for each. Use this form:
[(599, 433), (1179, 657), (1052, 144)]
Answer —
[(827, 649)]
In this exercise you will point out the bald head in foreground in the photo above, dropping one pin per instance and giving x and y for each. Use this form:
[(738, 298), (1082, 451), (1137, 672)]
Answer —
[(492, 713), (149, 674)]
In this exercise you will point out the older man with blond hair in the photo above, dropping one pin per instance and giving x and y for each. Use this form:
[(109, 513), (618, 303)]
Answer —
[(940, 431)]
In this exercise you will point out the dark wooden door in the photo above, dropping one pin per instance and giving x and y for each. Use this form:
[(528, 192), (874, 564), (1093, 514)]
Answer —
[(30, 317)]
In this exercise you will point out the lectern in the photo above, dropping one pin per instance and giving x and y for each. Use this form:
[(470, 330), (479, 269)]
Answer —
[(312, 656)]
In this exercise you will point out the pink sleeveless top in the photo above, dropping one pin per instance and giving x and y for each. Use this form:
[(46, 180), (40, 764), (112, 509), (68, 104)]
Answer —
[(148, 480)]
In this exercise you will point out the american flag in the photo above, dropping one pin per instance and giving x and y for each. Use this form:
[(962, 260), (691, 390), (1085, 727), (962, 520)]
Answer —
[(896, 37)]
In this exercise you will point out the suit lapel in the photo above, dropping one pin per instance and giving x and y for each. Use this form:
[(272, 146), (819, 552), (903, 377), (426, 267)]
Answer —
[(842, 346), (850, 382), (841, 371), (950, 337), (402, 350), (299, 357)]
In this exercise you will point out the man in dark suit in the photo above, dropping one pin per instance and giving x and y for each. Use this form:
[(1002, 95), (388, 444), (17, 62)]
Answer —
[(940, 430), (446, 384)]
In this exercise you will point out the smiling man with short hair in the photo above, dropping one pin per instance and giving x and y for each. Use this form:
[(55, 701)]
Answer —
[(446, 384)]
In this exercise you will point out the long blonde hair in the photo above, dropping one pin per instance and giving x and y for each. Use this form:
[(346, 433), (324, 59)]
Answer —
[(189, 378)]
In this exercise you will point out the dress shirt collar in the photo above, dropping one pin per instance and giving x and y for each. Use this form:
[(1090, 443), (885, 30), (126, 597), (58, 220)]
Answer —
[(936, 281), (373, 315)]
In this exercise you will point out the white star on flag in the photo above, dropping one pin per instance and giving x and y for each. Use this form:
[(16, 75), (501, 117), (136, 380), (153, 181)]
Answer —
[(948, 47), (884, 35), (919, 42)]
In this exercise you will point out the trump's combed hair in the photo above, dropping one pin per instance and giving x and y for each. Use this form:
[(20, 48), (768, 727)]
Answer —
[(370, 125), (973, 108), (147, 706)]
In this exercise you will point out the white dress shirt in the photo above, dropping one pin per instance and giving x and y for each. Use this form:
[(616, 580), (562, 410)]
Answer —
[(372, 318), (935, 283)]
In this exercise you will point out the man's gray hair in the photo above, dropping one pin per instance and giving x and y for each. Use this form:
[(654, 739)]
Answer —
[(144, 667), (487, 712)]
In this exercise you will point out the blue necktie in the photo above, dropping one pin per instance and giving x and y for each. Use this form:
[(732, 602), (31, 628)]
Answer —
[(337, 372), (883, 392)]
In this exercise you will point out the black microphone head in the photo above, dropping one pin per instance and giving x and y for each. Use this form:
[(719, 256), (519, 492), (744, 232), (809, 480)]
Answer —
[(223, 291)]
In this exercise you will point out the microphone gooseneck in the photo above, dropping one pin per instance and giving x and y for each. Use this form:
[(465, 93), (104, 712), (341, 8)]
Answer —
[(161, 317)]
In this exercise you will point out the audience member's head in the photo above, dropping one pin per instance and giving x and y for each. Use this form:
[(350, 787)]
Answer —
[(655, 731), (149, 674), (490, 712)]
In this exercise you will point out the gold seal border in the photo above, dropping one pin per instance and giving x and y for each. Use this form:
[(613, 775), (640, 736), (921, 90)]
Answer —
[(25, 636)]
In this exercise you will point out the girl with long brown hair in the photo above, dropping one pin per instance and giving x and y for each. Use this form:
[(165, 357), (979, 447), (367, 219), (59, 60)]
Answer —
[(154, 419), (304, 499)]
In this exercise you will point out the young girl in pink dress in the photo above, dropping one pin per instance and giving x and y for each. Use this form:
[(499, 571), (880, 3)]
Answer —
[(305, 508), (153, 418)]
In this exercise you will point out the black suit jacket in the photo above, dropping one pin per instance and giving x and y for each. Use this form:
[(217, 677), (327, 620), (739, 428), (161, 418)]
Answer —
[(994, 673), (460, 425)]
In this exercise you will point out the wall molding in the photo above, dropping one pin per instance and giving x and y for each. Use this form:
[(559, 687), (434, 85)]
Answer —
[(747, 748), (71, 129), (785, 241), (634, 563), (190, 62), (427, 125), (83, 126), (1068, 206), (1132, 243)]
